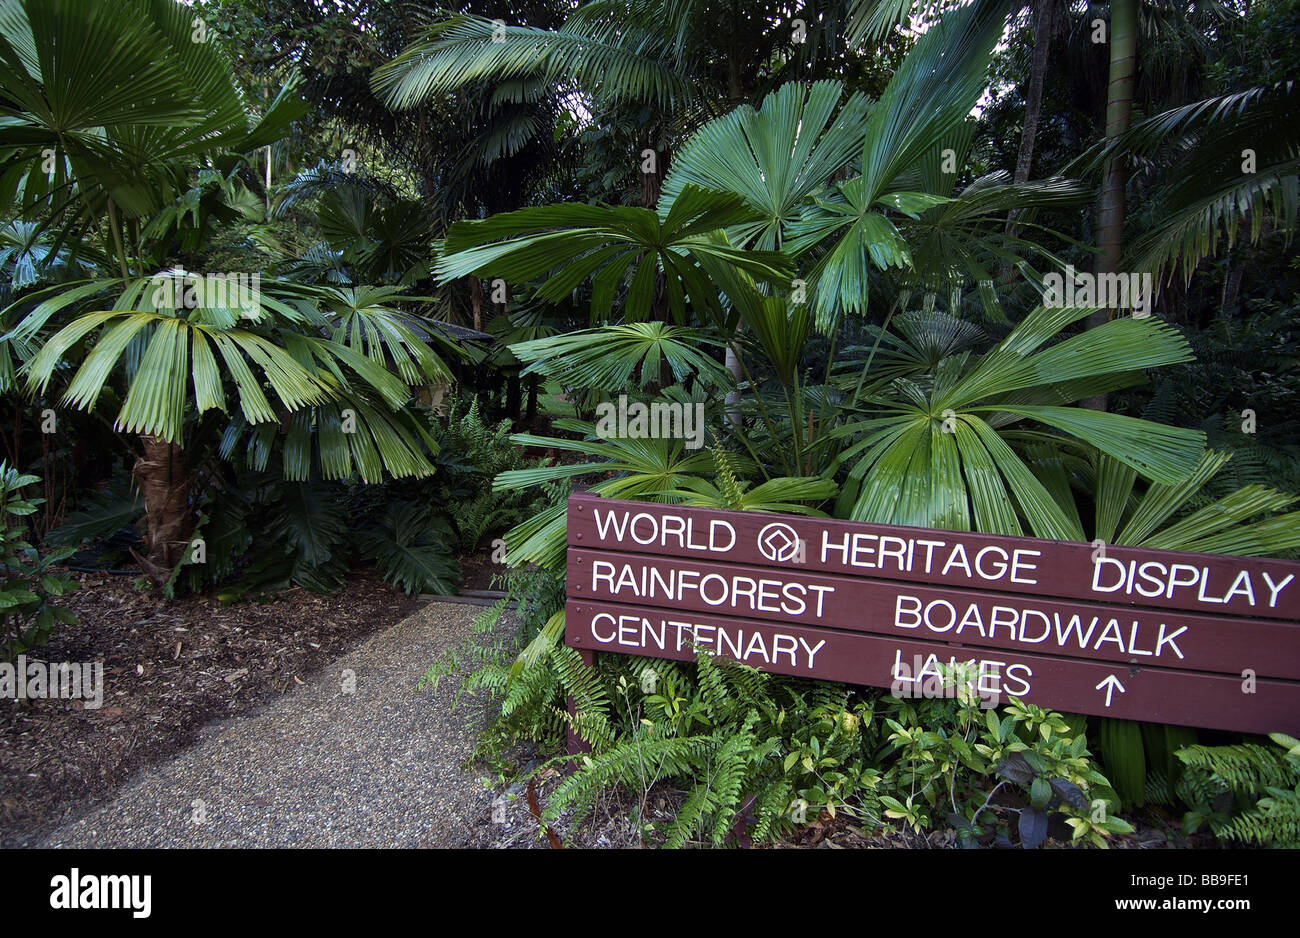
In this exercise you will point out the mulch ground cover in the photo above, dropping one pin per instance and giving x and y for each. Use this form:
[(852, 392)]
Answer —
[(169, 667)]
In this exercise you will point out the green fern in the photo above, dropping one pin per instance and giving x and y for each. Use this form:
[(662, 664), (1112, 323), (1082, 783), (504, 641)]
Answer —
[(1261, 782), (728, 484), (630, 764), (1246, 768), (1275, 820)]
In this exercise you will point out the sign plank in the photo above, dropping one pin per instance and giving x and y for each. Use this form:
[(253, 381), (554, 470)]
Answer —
[(910, 611), (1169, 636), (1156, 579), (1128, 692)]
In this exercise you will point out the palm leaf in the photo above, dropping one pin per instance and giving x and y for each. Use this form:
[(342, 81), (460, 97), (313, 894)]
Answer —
[(615, 57)]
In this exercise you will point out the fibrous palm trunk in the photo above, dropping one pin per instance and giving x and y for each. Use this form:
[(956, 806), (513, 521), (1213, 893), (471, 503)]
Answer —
[(476, 300), (735, 364), (162, 473)]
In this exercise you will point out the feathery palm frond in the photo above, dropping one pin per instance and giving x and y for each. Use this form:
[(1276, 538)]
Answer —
[(613, 54), (1230, 158)]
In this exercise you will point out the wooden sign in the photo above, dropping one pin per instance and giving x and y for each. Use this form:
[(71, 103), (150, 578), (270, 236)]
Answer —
[(1167, 636)]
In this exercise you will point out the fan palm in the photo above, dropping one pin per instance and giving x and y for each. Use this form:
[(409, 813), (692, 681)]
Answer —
[(775, 157), (177, 365), (572, 242), (657, 470), (935, 450), (130, 103), (124, 101), (607, 357), (852, 230), (784, 157), (1235, 524), (382, 242), (1243, 523), (26, 258)]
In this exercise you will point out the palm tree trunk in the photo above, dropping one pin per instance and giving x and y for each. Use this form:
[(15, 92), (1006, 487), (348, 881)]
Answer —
[(162, 472), (1119, 108), (117, 238), (651, 183), (1044, 20)]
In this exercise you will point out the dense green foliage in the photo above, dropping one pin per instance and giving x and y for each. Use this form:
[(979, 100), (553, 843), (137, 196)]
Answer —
[(1247, 792), (30, 580), (829, 231)]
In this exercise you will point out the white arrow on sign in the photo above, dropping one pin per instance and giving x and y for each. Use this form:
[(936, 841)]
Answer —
[(1110, 683)]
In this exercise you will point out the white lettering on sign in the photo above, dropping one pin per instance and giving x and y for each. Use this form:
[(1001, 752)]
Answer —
[(744, 644), (734, 591), (1152, 579), (993, 675), (915, 554), (1032, 626), (947, 558), (671, 530)]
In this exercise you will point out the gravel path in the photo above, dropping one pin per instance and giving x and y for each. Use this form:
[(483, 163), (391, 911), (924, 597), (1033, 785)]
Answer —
[(380, 767)]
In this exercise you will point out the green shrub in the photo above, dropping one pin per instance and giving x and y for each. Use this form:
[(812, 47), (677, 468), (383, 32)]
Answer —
[(771, 751), (988, 774), (26, 613), (741, 744)]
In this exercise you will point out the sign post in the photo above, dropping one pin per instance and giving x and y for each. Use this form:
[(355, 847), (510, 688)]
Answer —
[(1169, 636)]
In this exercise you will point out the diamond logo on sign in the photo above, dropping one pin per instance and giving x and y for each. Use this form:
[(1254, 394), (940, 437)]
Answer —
[(778, 542)]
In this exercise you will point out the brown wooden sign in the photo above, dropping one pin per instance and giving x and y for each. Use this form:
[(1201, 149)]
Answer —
[(1167, 636), (1039, 626), (1155, 579)]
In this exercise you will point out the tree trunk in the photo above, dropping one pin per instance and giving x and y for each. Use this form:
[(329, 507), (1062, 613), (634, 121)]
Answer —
[(735, 364), (1044, 21), (651, 183), (1232, 285), (476, 299), (1119, 107), (163, 476), (1044, 12), (531, 413), (736, 367), (513, 395)]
